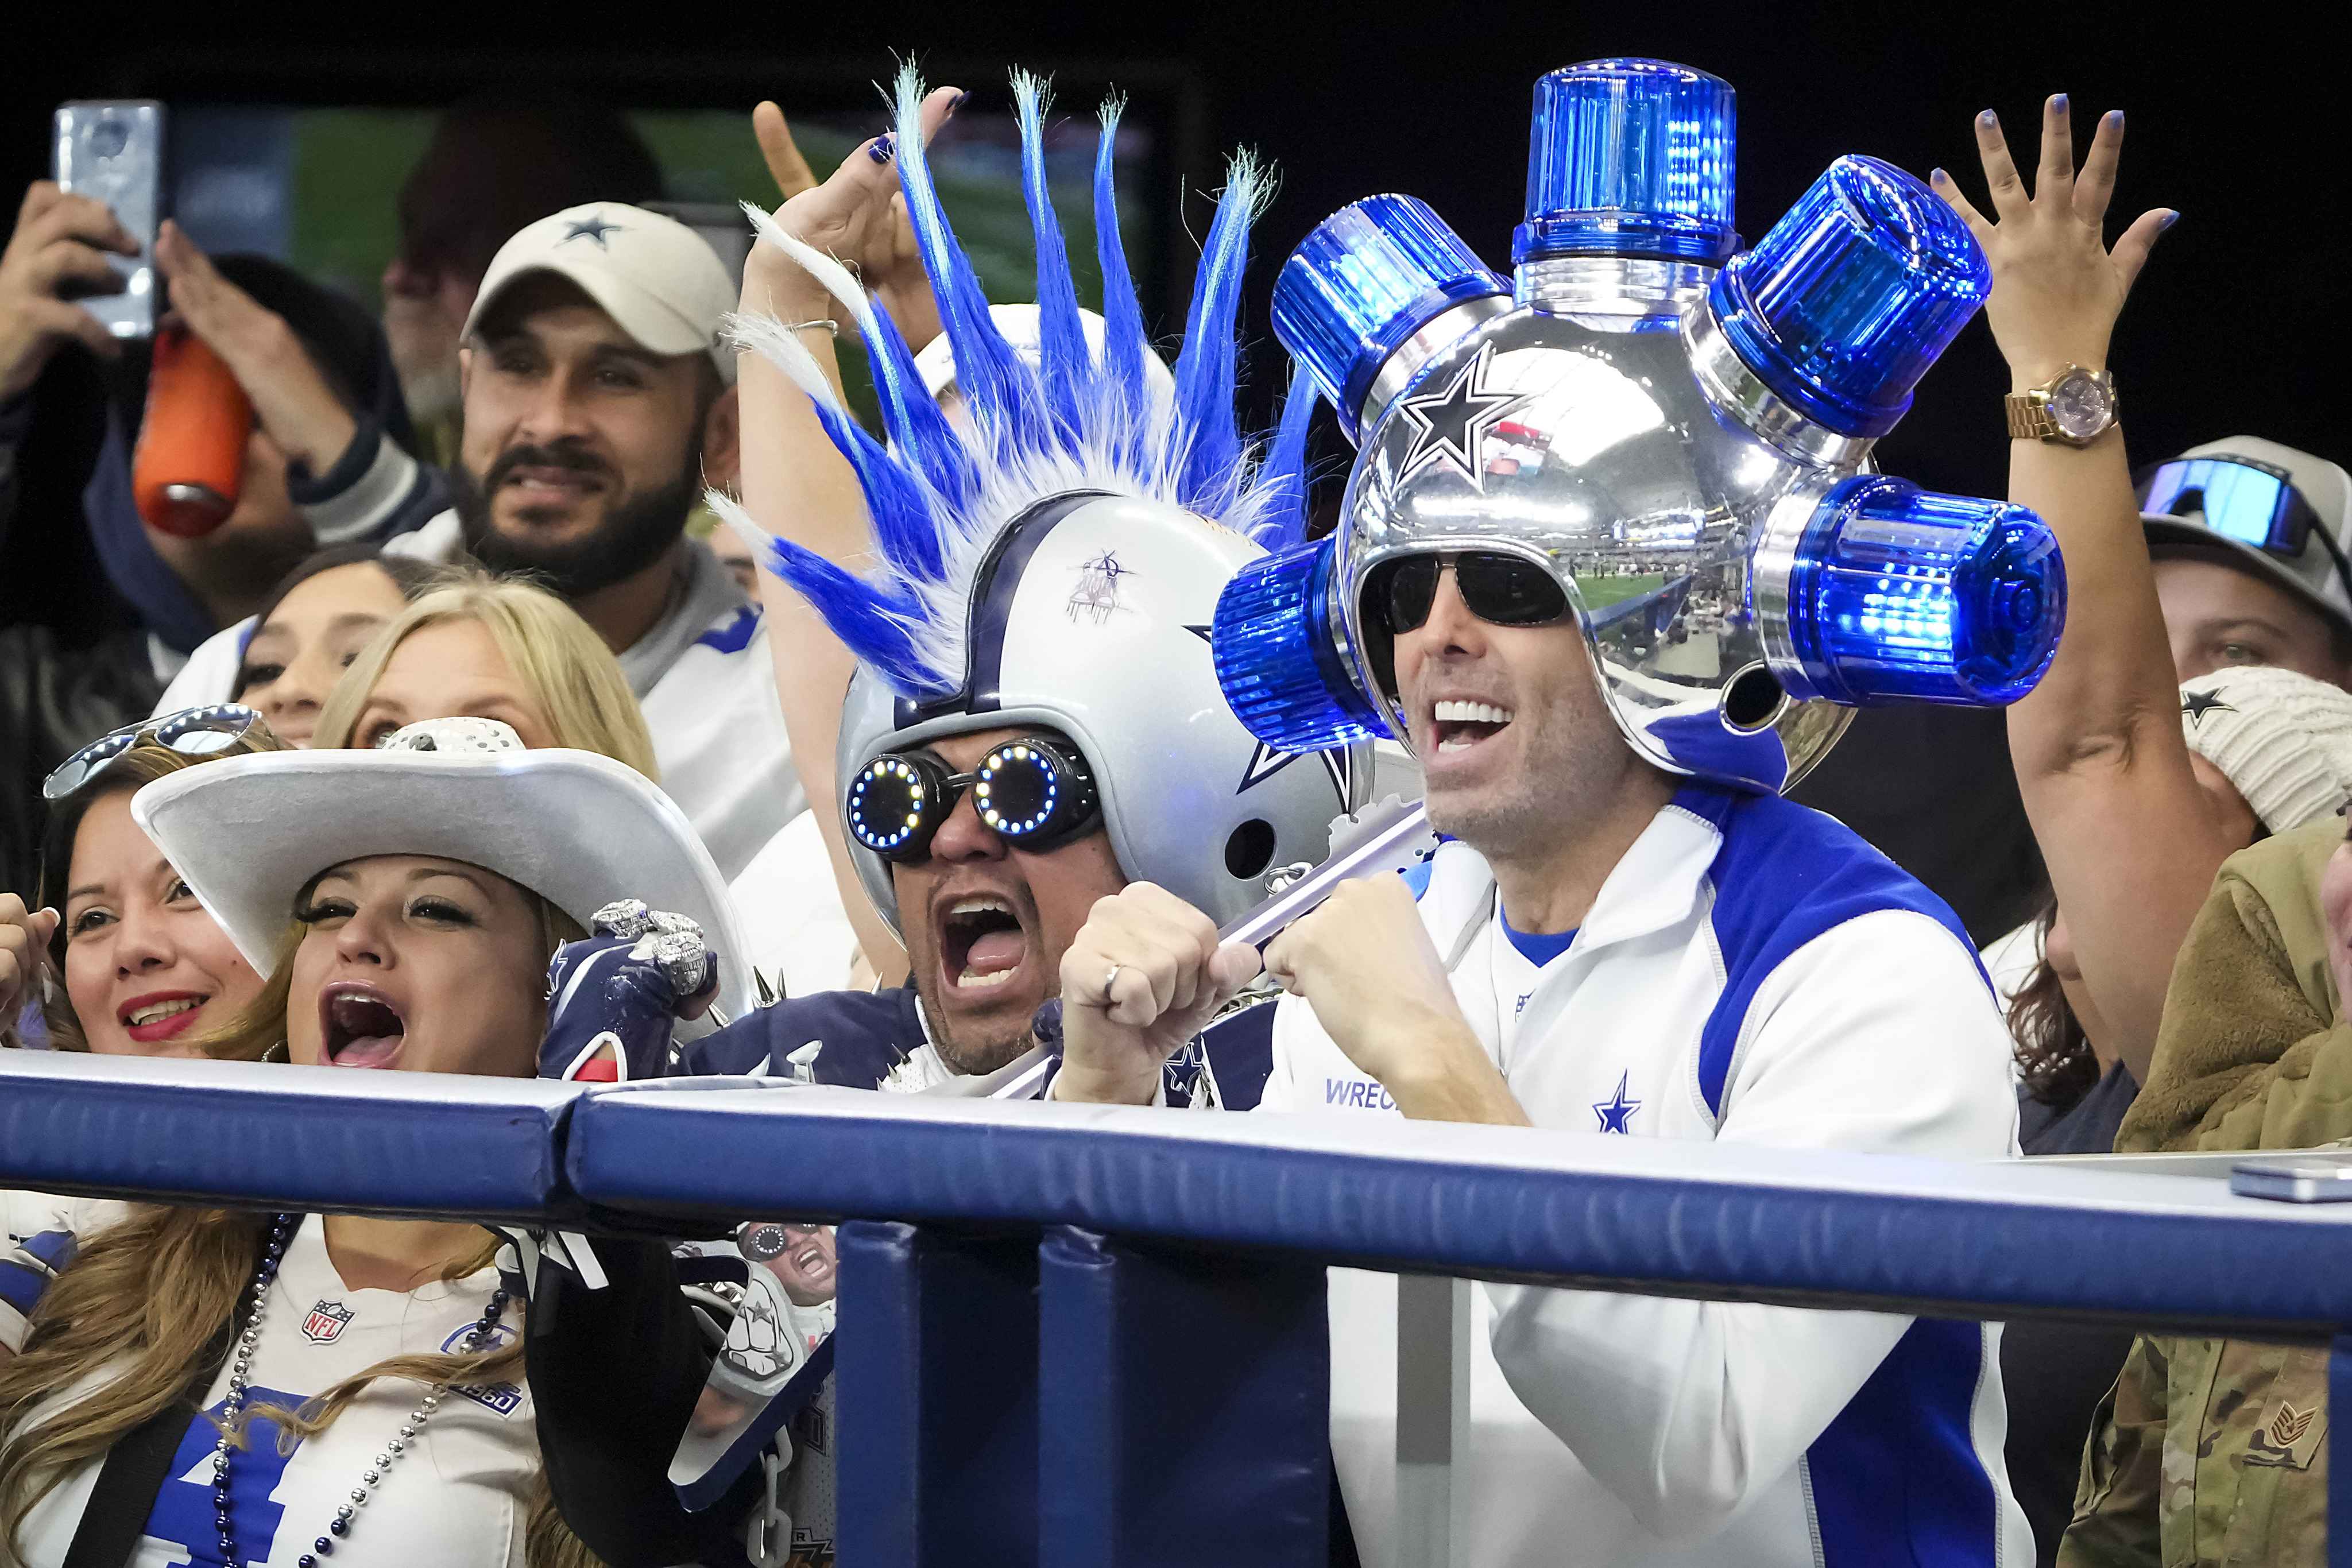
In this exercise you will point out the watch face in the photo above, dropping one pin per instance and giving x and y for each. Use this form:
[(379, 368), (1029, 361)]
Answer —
[(2080, 406)]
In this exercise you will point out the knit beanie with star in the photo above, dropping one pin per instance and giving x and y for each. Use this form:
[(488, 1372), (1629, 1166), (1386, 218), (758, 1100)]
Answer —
[(2283, 738)]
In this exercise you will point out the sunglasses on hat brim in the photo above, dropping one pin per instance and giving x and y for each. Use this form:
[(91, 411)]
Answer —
[(191, 732), (2253, 503), (1035, 793)]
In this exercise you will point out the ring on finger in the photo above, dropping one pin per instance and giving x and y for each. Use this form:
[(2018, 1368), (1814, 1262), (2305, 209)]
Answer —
[(1109, 980)]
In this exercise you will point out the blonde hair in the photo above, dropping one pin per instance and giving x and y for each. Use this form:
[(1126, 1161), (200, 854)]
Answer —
[(150, 1292), (570, 675)]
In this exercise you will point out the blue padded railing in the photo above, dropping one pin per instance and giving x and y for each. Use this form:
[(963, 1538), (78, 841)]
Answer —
[(1013, 1275)]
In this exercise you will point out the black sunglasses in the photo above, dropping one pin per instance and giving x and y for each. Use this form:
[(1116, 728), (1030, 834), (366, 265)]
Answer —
[(1506, 589), (1037, 792)]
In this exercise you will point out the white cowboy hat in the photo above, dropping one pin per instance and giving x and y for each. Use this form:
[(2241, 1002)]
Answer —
[(579, 830)]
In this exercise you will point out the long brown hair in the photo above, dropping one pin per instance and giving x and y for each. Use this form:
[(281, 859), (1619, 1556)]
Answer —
[(2053, 1056), (144, 1297), (139, 765)]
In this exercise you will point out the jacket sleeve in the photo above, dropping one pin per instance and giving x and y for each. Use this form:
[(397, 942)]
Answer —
[(373, 491), (2115, 1517), (2233, 1016), (614, 1374), (1686, 1410)]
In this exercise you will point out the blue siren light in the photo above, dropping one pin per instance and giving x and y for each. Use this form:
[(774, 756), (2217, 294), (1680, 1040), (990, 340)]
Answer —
[(1897, 594), (1841, 308), (1368, 278), (1631, 158), (1276, 642)]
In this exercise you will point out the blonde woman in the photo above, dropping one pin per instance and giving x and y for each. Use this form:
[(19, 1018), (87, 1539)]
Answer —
[(356, 1385), (501, 648), (495, 648)]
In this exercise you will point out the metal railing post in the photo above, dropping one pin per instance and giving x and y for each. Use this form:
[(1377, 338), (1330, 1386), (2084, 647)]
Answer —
[(2339, 1453), (1432, 1419)]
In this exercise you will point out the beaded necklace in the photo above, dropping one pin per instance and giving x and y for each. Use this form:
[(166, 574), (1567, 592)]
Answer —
[(240, 1375)]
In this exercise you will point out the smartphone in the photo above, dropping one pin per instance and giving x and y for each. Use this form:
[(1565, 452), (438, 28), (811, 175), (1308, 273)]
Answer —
[(112, 151), (2294, 1179)]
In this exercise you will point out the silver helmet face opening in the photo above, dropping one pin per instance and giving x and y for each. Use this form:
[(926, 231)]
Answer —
[(1093, 624), (1587, 444)]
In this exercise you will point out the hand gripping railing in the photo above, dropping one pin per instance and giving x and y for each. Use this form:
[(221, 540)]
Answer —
[(1093, 1335)]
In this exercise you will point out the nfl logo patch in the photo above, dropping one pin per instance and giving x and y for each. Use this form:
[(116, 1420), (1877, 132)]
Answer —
[(326, 1322)]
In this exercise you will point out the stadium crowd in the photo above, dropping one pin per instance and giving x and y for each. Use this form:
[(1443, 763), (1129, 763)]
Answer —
[(463, 527)]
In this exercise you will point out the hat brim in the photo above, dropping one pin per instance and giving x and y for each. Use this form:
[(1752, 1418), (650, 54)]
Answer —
[(2162, 530), (649, 321), (247, 833)]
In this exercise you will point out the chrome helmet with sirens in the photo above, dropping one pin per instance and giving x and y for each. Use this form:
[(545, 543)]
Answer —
[(1677, 432), (1055, 560)]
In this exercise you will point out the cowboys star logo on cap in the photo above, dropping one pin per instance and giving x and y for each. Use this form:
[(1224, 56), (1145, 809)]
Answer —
[(593, 226), (326, 1322)]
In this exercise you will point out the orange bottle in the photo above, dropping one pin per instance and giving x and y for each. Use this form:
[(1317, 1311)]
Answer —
[(190, 458)]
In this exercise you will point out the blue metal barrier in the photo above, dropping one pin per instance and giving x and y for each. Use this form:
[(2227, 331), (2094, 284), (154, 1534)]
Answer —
[(1018, 1297)]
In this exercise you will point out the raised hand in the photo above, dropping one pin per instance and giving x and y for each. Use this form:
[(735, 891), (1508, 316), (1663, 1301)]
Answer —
[(1142, 977), (291, 397), (2057, 287), (612, 996), (58, 248), (856, 215), (24, 940)]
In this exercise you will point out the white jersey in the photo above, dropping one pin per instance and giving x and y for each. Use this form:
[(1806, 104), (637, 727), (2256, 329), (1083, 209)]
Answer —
[(458, 1496), (1751, 972)]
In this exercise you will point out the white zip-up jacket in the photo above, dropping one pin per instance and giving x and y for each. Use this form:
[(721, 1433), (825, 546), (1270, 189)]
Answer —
[(1751, 972)]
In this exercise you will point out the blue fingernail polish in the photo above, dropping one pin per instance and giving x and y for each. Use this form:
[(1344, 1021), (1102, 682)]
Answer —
[(884, 148), (2115, 117), (1937, 176), (2169, 219), (1988, 118), (961, 99), (2058, 102)]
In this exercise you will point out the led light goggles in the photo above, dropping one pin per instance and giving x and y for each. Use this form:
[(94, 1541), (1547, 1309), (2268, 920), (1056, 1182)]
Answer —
[(1036, 793), (191, 732), (2253, 503)]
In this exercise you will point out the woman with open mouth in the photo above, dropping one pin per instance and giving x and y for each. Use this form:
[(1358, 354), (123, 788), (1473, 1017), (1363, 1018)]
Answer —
[(360, 1381), (145, 968)]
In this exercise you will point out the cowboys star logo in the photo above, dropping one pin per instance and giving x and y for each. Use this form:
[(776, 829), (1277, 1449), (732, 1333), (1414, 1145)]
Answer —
[(1450, 425), (326, 1322), (2195, 705)]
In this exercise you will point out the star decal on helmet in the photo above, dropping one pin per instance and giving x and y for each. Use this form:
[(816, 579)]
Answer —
[(2195, 705), (592, 227), (1338, 766), (1450, 425)]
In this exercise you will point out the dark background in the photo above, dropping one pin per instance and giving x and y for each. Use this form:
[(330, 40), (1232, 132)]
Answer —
[(2235, 114)]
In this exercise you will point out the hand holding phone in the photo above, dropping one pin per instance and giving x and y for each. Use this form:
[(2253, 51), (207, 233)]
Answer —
[(111, 151), (57, 253)]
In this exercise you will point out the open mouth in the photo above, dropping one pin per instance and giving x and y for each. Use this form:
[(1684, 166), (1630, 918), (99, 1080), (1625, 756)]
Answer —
[(360, 1027), (981, 943), (1459, 725), (160, 1015), (809, 1259)]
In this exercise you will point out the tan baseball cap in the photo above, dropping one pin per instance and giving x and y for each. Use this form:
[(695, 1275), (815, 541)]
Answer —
[(656, 278)]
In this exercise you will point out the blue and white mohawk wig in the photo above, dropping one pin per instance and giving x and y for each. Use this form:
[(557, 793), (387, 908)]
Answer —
[(939, 495)]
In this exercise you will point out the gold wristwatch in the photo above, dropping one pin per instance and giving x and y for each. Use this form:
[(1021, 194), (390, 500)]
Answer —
[(2072, 408)]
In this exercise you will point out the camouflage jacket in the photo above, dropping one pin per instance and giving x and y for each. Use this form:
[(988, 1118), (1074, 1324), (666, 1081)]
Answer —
[(2207, 1454)]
